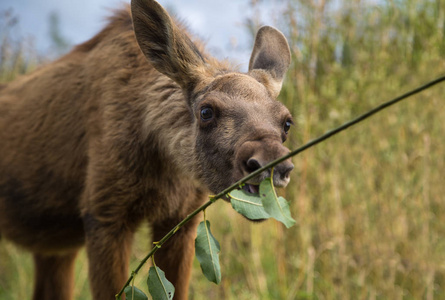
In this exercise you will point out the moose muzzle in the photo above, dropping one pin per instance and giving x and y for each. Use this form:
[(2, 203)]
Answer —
[(253, 155)]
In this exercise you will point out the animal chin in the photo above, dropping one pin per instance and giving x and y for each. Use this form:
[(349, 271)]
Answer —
[(251, 188)]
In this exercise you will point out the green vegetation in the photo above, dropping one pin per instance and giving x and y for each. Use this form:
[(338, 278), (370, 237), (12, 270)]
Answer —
[(369, 203)]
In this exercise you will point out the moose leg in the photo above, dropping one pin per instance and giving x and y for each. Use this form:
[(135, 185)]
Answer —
[(54, 276), (108, 247), (176, 256)]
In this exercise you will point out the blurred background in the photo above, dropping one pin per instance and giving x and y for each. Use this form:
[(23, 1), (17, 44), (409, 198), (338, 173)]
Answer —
[(369, 203)]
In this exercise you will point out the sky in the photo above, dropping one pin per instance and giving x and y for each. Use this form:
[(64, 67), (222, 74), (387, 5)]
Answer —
[(218, 23)]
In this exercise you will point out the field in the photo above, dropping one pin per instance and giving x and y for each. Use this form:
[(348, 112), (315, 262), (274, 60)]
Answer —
[(369, 203)]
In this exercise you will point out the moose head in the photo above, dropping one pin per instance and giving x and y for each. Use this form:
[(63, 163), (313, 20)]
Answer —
[(239, 126)]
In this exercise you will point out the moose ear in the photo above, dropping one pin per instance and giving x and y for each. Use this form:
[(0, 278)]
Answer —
[(271, 54), (168, 48)]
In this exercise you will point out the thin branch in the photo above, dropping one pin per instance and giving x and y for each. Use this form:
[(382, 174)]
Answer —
[(276, 162), (162, 241)]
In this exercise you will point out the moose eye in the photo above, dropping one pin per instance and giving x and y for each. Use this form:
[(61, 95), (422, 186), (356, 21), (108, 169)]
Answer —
[(287, 126), (206, 114)]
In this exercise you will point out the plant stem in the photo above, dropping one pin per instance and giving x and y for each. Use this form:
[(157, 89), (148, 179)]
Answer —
[(162, 241), (274, 163)]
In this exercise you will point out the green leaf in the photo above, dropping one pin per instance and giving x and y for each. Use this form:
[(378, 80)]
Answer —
[(158, 286), (207, 249), (133, 293), (276, 207), (249, 205)]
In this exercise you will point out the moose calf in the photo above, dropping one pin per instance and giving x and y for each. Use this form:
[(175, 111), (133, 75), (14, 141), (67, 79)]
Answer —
[(138, 123)]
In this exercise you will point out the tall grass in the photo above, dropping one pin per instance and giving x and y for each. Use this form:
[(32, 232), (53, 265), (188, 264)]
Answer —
[(369, 203), (17, 54)]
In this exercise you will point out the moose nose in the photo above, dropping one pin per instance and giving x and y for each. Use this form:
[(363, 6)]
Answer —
[(253, 155), (282, 170)]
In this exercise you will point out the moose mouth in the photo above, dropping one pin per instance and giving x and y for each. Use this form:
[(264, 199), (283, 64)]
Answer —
[(251, 188)]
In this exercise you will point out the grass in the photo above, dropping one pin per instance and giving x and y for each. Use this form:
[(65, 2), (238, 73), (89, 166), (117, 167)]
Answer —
[(369, 203)]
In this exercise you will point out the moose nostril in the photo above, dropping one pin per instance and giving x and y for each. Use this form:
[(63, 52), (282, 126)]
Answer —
[(252, 165), (287, 170)]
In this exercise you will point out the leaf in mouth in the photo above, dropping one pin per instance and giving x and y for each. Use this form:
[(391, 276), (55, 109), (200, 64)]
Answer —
[(248, 204), (276, 207)]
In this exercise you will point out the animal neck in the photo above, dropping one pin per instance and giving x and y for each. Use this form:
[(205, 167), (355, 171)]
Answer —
[(169, 119)]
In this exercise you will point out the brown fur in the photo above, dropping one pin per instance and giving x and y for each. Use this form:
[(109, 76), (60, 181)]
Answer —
[(109, 135)]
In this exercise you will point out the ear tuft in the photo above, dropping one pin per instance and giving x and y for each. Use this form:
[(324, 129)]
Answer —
[(271, 53)]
